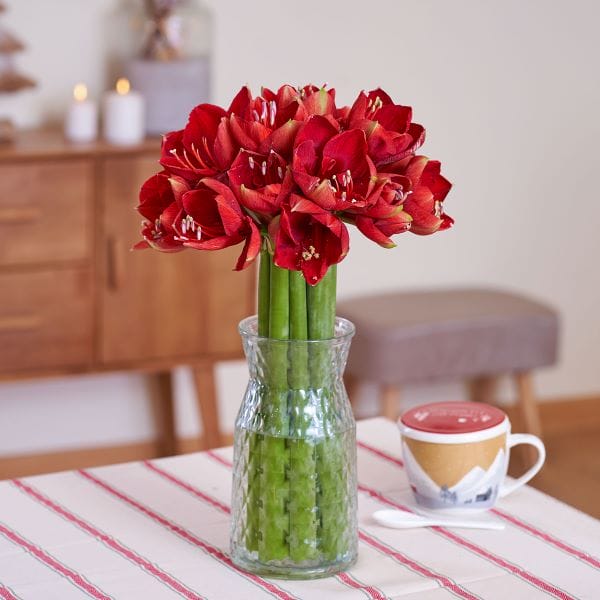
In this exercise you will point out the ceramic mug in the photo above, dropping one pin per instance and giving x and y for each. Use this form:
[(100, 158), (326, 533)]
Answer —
[(456, 455)]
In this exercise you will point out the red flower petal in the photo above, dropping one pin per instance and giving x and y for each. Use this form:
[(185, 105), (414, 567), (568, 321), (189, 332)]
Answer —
[(240, 104), (317, 130), (202, 123), (251, 247), (225, 147), (395, 117), (320, 102), (367, 227), (348, 151), (155, 195), (281, 140)]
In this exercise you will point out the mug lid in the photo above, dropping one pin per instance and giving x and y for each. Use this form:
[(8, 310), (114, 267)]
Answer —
[(453, 417)]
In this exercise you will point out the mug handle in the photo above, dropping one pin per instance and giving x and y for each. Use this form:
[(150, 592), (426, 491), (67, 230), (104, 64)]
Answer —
[(516, 439)]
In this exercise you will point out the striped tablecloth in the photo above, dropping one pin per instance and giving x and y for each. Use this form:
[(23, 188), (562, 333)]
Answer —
[(159, 529)]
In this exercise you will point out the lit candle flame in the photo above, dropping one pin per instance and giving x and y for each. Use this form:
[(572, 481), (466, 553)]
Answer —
[(80, 92), (123, 86)]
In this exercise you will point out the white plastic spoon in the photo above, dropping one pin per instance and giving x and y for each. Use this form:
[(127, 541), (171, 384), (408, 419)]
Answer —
[(400, 519)]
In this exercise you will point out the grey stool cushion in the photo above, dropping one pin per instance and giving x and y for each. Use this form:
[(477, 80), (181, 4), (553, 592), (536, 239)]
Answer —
[(427, 335)]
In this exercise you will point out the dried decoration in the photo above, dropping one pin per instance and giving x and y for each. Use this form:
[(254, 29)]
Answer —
[(10, 79), (163, 42)]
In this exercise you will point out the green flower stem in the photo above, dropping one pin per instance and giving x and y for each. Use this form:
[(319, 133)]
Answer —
[(279, 306), (329, 452), (298, 375), (256, 439), (302, 473), (321, 322), (321, 306), (264, 292), (332, 496), (274, 485)]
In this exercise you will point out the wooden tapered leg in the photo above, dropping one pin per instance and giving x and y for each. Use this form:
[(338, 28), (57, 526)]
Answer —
[(529, 411), (390, 401), (206, 393), (527, 403), (352, 385), (483, 389), (163, 408)]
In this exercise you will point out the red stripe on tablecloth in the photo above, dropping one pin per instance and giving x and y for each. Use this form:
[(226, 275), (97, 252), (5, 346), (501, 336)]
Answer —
[(51, 562), (193, 490), (419, 568), (415, 566), (108, 541), (501, 562), (550, 539), (350, 581), (188, 536), (380, 453), (6, 594), (219, 459), (543, 535), (345, 578)]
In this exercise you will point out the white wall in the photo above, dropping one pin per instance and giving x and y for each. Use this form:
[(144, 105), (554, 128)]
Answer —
[(510, 94)]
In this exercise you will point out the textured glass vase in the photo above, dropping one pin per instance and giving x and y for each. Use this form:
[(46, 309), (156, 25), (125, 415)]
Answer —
[(294, 484)]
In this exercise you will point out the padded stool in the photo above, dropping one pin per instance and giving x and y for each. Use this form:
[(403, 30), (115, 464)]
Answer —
[(475, 335)]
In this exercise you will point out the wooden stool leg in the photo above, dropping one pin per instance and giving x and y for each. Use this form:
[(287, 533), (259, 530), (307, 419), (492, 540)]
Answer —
[(527, 403), (529, 411), (483, 389), (163, 405), (206, 393), (352, 386), (390, 401)]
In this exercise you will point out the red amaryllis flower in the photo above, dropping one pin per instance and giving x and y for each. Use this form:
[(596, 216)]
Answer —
[(160, 204), (203, 148), (333, 169), (266, 123), (380, 230), (390, 133), (262, 182), (212, 219), (317, 101), (308, 238), (425, 201)]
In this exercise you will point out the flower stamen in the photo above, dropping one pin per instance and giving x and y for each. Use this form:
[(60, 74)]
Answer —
[(263, 116), (310, 253), (188, 224)]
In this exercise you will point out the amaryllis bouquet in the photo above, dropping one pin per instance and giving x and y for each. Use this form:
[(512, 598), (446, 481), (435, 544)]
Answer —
[(292, 170), (284, 174)]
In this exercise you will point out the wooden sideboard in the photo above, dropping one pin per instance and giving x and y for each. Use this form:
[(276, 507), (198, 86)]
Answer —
[(75, 299)]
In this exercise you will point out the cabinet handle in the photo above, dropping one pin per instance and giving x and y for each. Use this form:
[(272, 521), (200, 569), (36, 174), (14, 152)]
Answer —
[(20, 323), (115, 263), (19, 214)]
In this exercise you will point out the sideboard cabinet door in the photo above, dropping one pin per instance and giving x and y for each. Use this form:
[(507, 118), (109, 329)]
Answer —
[(45, 319), (161, 306), (45, 212)]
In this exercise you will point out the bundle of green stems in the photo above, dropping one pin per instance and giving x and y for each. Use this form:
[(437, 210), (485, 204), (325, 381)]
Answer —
[(295, 480)]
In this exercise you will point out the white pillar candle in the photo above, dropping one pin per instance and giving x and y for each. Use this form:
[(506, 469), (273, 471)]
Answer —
[(81, 123), (123, 115)]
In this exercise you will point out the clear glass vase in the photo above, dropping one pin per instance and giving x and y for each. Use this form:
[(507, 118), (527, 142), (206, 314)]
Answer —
[(294, 492)]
